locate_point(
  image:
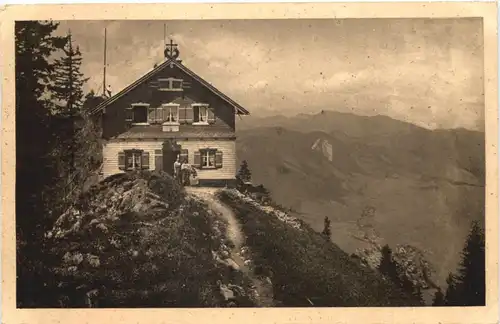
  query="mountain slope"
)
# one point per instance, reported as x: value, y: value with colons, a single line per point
x: 305, y: 268
x: 139, y: 240
x: 423, y: 187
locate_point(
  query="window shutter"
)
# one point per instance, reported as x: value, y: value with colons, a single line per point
x: 121, y: 160
x: 218, y: 159
x: 151, y: 115
x: 129, y: 114
x: 184, y: 156
x: 182, y: 114
x: 164, y: 84
x: 159, y: 160
x: 189, y: 114
x: 145, y: 160
x: 197, y: 159
x: 159, y: 114
x: 211, y: 115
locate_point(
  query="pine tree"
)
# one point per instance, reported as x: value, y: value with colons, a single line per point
x: 438, y: 298
x: 387, y: 266
x: 395, y: 272
x: 327, y: 232
x: 452, y: 296
x: 468, y: 287
x: 68, y: 81
x: 79, y: 142
x: 244, y: 173
x: 35, y: 168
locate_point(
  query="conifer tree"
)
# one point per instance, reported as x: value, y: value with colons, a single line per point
x: 244, y: 173
x: 81, y: 138
x: 35, y: 168
x: 468, y: 286
x: 387, y: 266
x: 68, y: 81
x: 473, y: 268
x: 395, y: 272
x: 452, y: 295
x: 438, y: 298
x: 327, y: 231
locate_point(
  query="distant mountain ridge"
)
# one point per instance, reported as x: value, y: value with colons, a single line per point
x: 425, y: 186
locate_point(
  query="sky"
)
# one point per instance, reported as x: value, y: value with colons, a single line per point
x: 425, y: 71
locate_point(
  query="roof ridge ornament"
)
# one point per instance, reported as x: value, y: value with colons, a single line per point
x: 171, y: 51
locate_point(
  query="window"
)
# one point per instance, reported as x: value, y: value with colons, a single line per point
x: 133, y: 160
x: 167, y: 112
x: 208, y: 158
x: 171, y: 113
x: 200, y: 113
x: 138, y: 113
x: 170, y: 84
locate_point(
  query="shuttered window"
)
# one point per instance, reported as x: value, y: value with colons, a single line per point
x: 201, y: 114
x: 170, y: 84
x: 171, y: 113
x: 138, y: 113
x: 208, y: 159
x: 133, y: 160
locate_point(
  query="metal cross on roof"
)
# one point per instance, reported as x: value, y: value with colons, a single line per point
x: 171, y: 50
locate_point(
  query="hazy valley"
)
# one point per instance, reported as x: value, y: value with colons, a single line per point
x: 412, y: 185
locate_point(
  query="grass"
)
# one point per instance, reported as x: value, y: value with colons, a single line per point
x: 305, y: 267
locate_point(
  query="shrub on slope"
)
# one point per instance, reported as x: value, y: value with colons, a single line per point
x: 303, y: 266
x: 136, y: 240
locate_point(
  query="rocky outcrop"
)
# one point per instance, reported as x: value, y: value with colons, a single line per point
x: 137, y: 240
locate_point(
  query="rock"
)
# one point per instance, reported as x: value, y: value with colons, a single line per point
x: 102, y: 227
x: 238, y: 290
x: 90, y: 298
x: 73, y: 258
x: 225, y: 254
x: 232, y: 264
x: 72, y: 269
x: 93, y: 260
x: 247, y: 262
x: 226, y: 292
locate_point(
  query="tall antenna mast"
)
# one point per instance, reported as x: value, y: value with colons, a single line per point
x: 104, y: 76
x: 164, y: 36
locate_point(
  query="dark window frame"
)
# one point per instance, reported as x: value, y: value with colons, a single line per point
x: 203, y: 156
x: 134, y: 153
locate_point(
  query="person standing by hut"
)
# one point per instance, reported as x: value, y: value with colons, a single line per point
x: 177, y: 170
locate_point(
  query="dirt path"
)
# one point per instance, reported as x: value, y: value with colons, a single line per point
x: 235, y: 234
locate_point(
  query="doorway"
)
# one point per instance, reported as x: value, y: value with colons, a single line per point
x: 170, y: 152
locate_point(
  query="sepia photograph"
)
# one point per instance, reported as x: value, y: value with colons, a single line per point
x: 250, y: 163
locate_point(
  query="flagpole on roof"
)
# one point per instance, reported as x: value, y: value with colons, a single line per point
x: 164, y: 36
x: 104, y: 72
